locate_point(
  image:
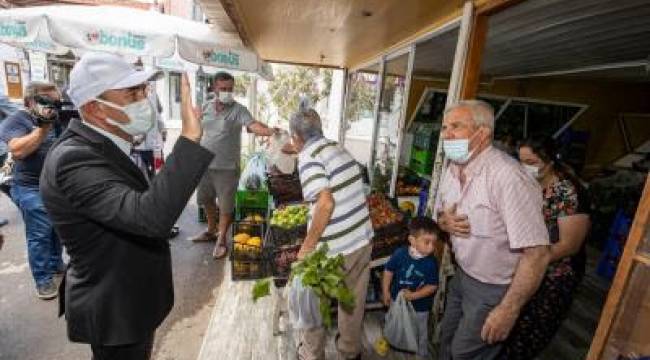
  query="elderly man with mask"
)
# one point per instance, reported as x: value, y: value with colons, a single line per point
x: 113, y: 223
x: 331, y: 182
x: 29, y: 135
x: 492, y: 210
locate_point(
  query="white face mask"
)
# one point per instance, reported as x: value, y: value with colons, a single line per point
x: 141, y: 116
x: 415, y: 253
x: 226, y: 97
x: 534, y: 171
x: 458, y: 150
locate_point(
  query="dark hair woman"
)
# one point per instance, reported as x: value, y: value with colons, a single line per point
x: 567, y: 219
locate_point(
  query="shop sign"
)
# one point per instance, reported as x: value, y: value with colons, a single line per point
x: 41, y: 45
x: 13, y: 30
x: 221, y: 58
x: 126, y: 40
x: 170, y: 63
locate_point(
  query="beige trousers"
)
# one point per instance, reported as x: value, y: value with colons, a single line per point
x: 311, y: 343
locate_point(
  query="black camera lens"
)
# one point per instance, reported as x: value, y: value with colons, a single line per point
x: 45, y: 101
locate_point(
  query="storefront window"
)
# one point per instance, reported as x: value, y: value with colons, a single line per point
x: 532, y: 119
x: 359, y: 113
x: 59, y: 74
x: 388, y: 128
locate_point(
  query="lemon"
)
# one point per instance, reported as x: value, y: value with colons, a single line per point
x: 254, y: 241
x: 382, y: 347
x: 241, y: 238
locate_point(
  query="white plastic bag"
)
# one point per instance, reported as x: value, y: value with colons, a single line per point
x: 285, y: 163
x: 254, y: 173
x: 303, y: 306
x: 401, y: 330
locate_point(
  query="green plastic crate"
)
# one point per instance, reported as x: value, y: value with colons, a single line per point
x: 421, y: 156
x: 252, y: 199
x: 421, y: 168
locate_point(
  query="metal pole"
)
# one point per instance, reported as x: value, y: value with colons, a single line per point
x: 252, y: 103
x: 375, y: 130
x: 462, y: 47
x: 343, y: 121
x: 401, y: 127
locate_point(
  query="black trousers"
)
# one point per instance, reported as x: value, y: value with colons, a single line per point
x: 139, y: 351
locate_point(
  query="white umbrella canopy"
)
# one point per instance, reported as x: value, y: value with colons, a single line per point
x: 125, y: 31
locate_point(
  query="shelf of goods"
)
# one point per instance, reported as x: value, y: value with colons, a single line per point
x: 285, y: 188
x: 287, y: 230
x: 389, y: 225
x: 246, y: 254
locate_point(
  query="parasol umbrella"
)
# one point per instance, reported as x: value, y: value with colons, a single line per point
x: 125, y: 31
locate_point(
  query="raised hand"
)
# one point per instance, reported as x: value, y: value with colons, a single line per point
x: 191, y: 123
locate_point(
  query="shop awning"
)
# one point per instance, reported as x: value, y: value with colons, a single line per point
x: 596, y: 39
x: 125, y: 31
x: 556, y: 38
x: 339, y: 33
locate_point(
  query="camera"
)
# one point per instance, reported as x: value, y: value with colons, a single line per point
x: 62, y: 111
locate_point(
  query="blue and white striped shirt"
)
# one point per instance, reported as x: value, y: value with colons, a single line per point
x: 323, y: 165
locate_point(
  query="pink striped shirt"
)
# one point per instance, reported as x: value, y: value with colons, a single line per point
x: 504, y: 208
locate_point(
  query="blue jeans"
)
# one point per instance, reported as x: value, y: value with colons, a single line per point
x: 44, y: 249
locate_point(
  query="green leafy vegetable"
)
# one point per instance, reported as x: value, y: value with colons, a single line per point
x: 261, y: 288
x: 325, y: 276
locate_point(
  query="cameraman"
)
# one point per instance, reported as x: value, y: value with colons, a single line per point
x: 29, y: 134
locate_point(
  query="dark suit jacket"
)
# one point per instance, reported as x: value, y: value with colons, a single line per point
x: 114, y: 226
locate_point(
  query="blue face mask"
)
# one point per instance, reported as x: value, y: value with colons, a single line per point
x: 457, y: 150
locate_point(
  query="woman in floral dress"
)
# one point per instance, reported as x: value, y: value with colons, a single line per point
x: 568, y: 225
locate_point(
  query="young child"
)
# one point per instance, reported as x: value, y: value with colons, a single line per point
x: 414, y: 271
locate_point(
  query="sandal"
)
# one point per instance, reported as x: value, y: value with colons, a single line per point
x: 204, y: 236
x: 217, y: 253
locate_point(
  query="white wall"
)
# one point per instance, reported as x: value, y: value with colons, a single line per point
x: 335, y: 106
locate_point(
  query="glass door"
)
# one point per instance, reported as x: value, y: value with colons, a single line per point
x: 360, y: 112
x: 387, y: 133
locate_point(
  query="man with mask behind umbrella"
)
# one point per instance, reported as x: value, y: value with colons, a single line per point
x: 114, y: 224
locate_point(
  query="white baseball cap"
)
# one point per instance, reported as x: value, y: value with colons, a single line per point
x: 98, y: 72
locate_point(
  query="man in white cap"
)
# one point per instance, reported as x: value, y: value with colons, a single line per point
x: 113, y: 223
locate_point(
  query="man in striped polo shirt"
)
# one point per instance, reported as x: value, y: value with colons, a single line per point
x: 331, y: 182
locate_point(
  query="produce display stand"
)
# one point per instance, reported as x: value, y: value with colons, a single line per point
x: 247, y: 258
x: 251, y: 204
x: 285, y: 188
x: 391, y: 232
x: 282, y: 251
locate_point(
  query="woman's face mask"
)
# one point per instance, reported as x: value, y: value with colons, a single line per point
x: 532, y: 163
x: 141, y: 116
x: 533, y: 171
